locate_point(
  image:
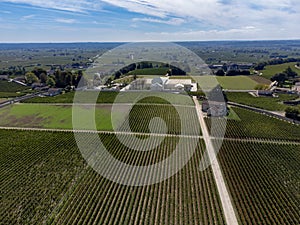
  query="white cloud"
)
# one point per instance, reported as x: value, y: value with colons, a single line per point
x: 216, y: 19
x: 66, y: 5
x: 210, y: 11
x: 172, y: 21
x: 5, y: 12
x: 67, y: 21
x: 27, y: 17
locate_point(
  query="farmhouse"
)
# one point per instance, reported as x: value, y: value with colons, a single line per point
x: 297, y: 87
x: 3, y: 77
x: 54, y: 92
x: 214, y: 109
x: 265, y: 93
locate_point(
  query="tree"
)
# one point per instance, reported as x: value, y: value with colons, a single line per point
x: 292, y: 113
x: 261, y: 87
x: 50, y: 82
x: 31, y: 78
x: 279, y: 77
x: 43, y: 78
x: 220, y: 72
x: 290, y: 73
x: 260, y: 66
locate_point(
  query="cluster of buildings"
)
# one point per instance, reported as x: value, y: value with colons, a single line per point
x: 163, y: 84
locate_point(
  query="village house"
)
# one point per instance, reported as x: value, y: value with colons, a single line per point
x: 54, y: 92
x: 214, y: 109
x: 265, y: 93
x: 3, y: 77
x: 296, y: 88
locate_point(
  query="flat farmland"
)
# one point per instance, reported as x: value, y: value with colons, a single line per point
x: 272, y: 104
x: 230, y: 83
x: 256, y: 126
x: 263, y: 180
x: 52, y: 116
x: 50, y: 183
x: 176, y: 120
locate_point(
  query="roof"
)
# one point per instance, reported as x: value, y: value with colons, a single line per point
x: 179, y: 86
x: 180, y: 81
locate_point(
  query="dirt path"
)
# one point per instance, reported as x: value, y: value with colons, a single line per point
x: 228, y: 208
x: 99, y: 132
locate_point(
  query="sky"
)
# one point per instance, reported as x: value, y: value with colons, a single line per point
x: 147, y: 20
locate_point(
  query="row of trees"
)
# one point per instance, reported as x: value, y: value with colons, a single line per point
x: 221, y: 72
x: 292, y: 113
x: 59, y: 79
x: 149, y: 65
x: 262, y: 65
x: 281, y: 78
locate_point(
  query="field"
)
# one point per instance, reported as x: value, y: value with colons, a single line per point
x: 271, y: 70
x: 263, y: 180
x: 184, y: 121
x: 258, y: 126
x: 50, y: 183
x: 116, y: 97
x: 44, y: 178
x: 59, y: 116
x: 260, y: 80
x: 272, y: 104
x: 6, y: 86
x: 51, y: 116
x: 11, y: 89
x: 10, y: 94
x: 230, y: 83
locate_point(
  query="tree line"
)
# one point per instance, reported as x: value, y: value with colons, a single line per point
x: 59, y: 79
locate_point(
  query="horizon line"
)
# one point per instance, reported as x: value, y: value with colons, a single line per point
x: 149, y: 41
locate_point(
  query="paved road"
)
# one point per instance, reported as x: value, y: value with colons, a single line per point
x: 228, y: 209
x: 18, y: 99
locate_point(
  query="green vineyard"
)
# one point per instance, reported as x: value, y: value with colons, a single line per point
x: 178, y: 120
x: 50, y: 183
x: 255, y: 125
x: 263, y: 180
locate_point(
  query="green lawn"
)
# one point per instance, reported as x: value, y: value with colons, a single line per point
x: 230, y: 83
x: 271, y: 70
x: 272, y: 104
x: 52, y: 116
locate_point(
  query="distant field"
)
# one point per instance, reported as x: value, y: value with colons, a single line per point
x: 230, y: 83
x: 260, y: 80
x: 272, y: 104
x: 10, y: 94
x: 6, y: 86
x: 271, y: 70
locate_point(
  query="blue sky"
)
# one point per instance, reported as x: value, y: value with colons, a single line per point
x: 147, y: 20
